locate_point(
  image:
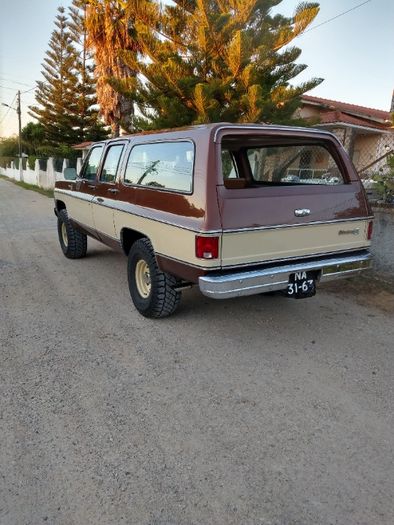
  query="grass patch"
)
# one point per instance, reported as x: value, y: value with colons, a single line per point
x: 24, y: 185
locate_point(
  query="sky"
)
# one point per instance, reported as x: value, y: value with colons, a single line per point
x: 353, y: 53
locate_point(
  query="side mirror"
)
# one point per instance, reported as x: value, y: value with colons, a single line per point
x: 70, y: 173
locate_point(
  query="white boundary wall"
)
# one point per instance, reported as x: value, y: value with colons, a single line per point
x: 42, y: 178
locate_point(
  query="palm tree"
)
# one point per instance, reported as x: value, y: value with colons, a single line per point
x: 109, y: 33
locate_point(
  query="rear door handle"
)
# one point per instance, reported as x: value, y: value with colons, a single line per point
x: 92, y: 186
x: 113, y: 190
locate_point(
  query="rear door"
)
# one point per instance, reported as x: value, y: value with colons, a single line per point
x: 287, y: 197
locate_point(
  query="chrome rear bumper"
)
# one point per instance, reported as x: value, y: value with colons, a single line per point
x: 251, y: 282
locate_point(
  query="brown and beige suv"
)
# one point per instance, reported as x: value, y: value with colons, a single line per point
x: 236, y: 209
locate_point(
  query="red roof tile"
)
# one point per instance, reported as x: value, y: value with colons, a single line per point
x: 351, y: 108
x: 83, y: 145
x: 331, y: 117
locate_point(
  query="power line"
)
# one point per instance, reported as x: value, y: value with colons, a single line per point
x: 11, y: 89
x: 8, y: 110
x: 16, y: 89
x: 13, y: 81
x: 335, y: 17
x: 31, y: 89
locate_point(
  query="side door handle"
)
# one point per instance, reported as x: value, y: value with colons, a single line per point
x: 92, y: 186
x: 302, y: 212
x: 113, y: 190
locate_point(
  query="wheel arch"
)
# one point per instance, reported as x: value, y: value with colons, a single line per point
x: 60, y: 205
x: 128, y: 237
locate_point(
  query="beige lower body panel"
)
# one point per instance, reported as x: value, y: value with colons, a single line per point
x: 79, y: 207
x: 169, y: 240
x: 250, y: 247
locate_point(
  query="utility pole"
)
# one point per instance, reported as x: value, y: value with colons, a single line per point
x: 18, y: 110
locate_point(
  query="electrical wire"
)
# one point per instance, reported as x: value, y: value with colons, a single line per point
x: 13, y: 81
x: 8, y: 110
x: 15, y: 89
x: 335, y: 17
x: 11, y: 89
x: 31, y: 89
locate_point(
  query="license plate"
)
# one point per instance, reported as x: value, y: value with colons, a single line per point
x: 301, y: 284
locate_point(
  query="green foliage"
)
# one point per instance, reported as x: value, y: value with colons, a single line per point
x: 31, y: 161
x: 385, y: 183
x: 56, y: 96
x: 5, y: 162
x: 33, y: 136
x: 390, y: 163
x: 214, y: 60
x: 9, y: 147
x: 65, y: 98
x: 109, y: 33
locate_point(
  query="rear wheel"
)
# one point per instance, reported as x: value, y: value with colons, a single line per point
x: 73, y: 242
x: 151, y: 290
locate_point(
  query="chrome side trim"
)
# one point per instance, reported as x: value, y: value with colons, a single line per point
x: 298, y: 224
x: 76, y: 194
x: 209, y: 268
x: 223, y: 286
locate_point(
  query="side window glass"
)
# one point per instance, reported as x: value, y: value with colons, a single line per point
x: 89, y: 170
x: 167, y: 165
x: 229, y: 168
x: 111, y: 163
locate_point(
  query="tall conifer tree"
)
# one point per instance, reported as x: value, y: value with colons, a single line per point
x: 215, y: 60
x: 89, y: 124
x: 57, y: 95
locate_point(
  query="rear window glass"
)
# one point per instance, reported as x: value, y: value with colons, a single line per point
x: 165, y: 165
x: 276, y: 165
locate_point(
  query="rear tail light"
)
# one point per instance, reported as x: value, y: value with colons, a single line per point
x: 207, y: 247
x: 370, y: 230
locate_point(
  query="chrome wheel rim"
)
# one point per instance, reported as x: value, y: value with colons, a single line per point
x: 142, y: 278
x: 64, y: 234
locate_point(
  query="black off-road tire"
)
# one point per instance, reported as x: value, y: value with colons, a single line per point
x: 161, y: 299
x: 74, y: 243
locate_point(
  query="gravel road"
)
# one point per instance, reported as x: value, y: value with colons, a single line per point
x: 253, y: 411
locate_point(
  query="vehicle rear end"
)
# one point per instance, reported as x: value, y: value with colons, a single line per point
x: 293, y: 212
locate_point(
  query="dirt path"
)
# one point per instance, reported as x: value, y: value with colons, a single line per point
x: 253, y: 411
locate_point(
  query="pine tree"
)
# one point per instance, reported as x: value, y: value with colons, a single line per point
x: 57, y: 95
x: 89, y: 124
x: 215, y: 60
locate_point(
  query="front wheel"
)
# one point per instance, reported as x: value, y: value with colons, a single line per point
x: 151, y: 290
x: 73, y: 242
